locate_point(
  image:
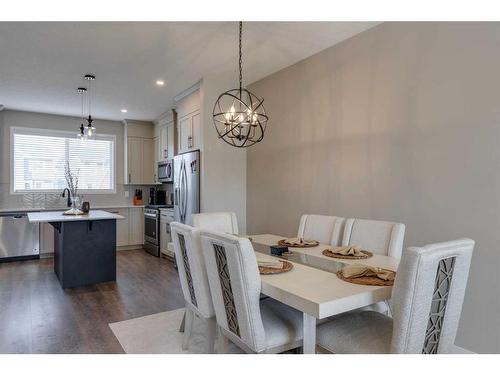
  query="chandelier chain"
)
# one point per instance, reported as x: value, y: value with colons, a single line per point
x: 240, y: 58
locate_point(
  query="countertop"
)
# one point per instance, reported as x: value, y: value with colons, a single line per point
x: 49, y: 209
x: 57, y: 216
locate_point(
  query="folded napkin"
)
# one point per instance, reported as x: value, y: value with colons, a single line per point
x: 355, y: 271
x: 270, y: 264
x: 354, y: 251
x: 298, y: 241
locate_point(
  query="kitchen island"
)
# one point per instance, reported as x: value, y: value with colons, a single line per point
x: 85, y: 246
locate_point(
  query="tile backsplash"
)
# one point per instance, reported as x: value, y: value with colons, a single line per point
x: 54, y: 200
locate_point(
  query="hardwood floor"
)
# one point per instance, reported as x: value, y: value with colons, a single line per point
x: 38, y: 316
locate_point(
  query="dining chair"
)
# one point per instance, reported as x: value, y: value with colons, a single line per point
x: 428, y: 295
x: 322, y: 228
x: 194, y: 282
x: 224, y: 222
x: 380, y: 237
x: 254, y: 325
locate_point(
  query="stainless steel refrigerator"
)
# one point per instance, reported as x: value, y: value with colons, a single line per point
x: 186, y: 186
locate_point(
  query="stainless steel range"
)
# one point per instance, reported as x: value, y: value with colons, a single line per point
x: 152, y: 231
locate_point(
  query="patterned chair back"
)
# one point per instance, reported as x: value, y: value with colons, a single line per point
x: 234, y: 281
x: 380, y: 237
x: 192, y: 270
x: 428, y: 295
x: 223, y: 222
x: 325, y: 229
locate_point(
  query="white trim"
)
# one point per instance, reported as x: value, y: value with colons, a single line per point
x: 56, y: 132
x: 188, y: 91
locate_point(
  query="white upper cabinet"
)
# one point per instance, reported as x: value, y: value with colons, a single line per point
x: 148, y: 160
x: 166, y: 141
x: 189, y: 122
x: 140, y: 168
x: 134, y: 160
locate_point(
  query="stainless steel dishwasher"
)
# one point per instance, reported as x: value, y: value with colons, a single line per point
x: 19, y: 239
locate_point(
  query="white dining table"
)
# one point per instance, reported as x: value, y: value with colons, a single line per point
x: 318, y: 293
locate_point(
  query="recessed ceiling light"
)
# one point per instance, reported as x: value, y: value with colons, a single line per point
x: 160, y: 82
x: 124, y: 110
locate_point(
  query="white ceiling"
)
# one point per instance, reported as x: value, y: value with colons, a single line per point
x: 41, y: 64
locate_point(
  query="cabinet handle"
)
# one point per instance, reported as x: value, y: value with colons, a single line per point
x: 155, y: 177
x: 129, y: 178
x: 165, y: 153
x: 190, y: 141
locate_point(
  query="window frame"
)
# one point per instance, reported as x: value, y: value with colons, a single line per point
x: 66, y: 134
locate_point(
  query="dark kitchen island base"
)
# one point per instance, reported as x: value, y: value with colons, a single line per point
x: 85, y: 252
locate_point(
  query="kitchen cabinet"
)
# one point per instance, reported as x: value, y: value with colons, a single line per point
x: 148, y: 160
x: 166, y: 142
x: 164, y: 237
x: 135, y: 226
x: 134, y: 160
x: 189, y: 129
x: 140, y: 161
x: 157, y: 149
x: 46, y: 239
x: 122, y: 226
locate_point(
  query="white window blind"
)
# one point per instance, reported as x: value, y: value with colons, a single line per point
x: 39, y: 158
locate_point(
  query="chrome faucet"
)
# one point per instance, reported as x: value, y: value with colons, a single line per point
x: 69, y: 196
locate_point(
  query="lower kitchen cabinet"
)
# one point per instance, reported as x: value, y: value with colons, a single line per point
x: 46, y: 239
x: 122, y: 226
x: 129, y: 231
x: 136, y: 226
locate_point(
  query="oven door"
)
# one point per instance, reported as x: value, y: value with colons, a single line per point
x: 151, y: 227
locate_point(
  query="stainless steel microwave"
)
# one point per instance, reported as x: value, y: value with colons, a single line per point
x: 166, y: 170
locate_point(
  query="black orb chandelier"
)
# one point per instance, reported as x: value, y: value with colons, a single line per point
x: 239, y: 115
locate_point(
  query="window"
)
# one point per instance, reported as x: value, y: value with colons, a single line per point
x: 38, y: 158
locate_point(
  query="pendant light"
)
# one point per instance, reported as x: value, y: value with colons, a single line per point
x: 239, y: 115
x: 90, y: 129
x: 81, y: 133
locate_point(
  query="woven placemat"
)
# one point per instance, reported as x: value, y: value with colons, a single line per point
x: 366, y: 280
x: 284, y: 243
x: 331, y: 254
x: 287, y: 266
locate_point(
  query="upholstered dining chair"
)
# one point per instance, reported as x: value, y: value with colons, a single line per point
x: 427, y: 297
x: 194, y: 282
x: 224, y: 222
x: 380, y: 237
x: 322, y: 228
x: 254, y: 325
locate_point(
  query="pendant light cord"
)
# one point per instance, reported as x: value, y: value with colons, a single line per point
x: 240, y: 61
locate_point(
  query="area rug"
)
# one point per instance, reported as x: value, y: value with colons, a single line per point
x: 159, y: 334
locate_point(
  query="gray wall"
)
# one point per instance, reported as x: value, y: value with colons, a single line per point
x: 402, y: 123
x: 223, y: 182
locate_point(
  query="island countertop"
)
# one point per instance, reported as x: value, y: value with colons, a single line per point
x: 57, y: 216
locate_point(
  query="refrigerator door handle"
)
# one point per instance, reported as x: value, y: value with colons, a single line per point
x: 186, y: 193
x: 182, y: 193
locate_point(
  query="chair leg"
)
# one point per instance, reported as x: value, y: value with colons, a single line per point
x: 211, y: 334
x: 188, y: 328
x: 183, y: 323
x: 223, y: 343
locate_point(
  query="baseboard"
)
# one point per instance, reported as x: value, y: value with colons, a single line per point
x: 129, y: 247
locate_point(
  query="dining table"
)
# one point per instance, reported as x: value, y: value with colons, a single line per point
x: 313, y: 287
